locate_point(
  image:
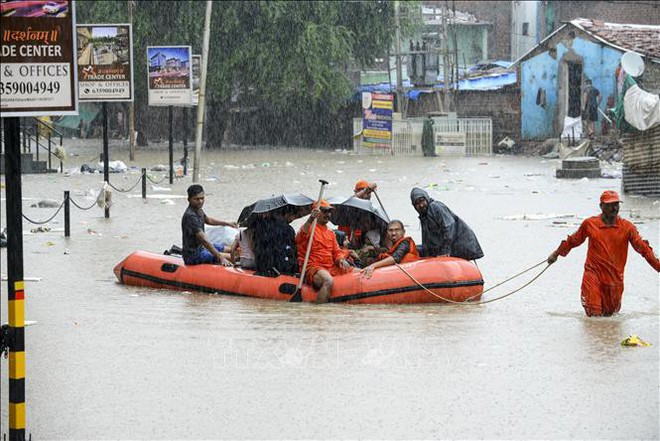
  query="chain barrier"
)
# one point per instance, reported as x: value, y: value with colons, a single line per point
x: 157, y: 182
x: 82, y: 208
x: 467, y: 301
x: 46, y: 221
x: 120, y: 190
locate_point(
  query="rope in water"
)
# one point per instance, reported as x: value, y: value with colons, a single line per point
x: 467, y: 301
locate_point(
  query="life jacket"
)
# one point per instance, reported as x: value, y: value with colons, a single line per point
x: 410, y: 256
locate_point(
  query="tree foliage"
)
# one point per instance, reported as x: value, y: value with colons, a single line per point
x: 279, y: 57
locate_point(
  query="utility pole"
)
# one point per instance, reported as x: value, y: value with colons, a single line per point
x: 202, y: 90
x: 445, y: 59
x: 400, y: 98
x: 131, y: 105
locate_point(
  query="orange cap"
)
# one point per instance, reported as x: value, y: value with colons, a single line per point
x: 359, y: 185
x: 324, y: 204
x: 609, y: 197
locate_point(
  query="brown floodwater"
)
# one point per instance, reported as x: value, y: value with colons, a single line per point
x: 107, y: 361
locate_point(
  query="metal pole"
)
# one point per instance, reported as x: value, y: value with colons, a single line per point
x: 49, y: 154
x: 36, y: 135
x: 144, y: 183
x: 106, y: 158
x: 400, y: 106
x: 67, y: 214
x: 445, y: 59
x: 170, y: 117
x: 15, y: 283
x: 185, y: 141
x: 131, y: 105
x: 202, y: 91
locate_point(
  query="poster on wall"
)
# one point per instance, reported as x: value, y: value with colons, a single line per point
x: 196, y: 76
x: 37, y: 58
x: 105, y: 62
x: 377, y: 111
x: 170, y: 75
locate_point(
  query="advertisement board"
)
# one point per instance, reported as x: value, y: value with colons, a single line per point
x: 37, y: 58
x: 105, y: 62
x: 197, y: 77
x: 170, y: 75
x: 377, y: 111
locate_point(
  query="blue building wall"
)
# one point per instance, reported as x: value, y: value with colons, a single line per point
x: 538, y: 72
x: 542, y: 71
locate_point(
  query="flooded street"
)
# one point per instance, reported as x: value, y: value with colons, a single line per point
x: 111, y: 361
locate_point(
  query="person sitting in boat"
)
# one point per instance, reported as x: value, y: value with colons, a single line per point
x: 274, y: 244
x: 197, y: 248
x: 325, y: 259
x: 403, y: 249
x: 242, y: 251
x: 367, y: 244
x: 350, y: 254
x: 443, y: 233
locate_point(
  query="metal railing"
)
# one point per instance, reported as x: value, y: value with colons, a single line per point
x: 407, y: 136
x: 31, y: 135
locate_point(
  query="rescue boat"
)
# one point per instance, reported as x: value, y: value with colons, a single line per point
x: 441, y: 278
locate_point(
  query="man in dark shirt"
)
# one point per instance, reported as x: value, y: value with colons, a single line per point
x: 403, y: 249
x: 443, y: 232
x: 197, y: 248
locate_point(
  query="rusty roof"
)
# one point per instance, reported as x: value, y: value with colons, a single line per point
x: 643, y: 39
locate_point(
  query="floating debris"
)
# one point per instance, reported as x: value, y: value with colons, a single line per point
x: 633, y: 340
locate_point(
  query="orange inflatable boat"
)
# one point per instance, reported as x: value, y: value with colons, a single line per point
x: 446, y: 277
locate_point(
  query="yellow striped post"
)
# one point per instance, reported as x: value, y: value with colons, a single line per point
x: 16, y: 285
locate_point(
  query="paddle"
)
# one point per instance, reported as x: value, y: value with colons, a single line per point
x: 297, y: 296
x: 381, y: 205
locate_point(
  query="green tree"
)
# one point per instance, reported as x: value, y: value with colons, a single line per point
x: 281, y: 62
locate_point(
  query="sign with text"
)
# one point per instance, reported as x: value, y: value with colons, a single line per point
x: 37, y: 58
x: 170, y: 75
x: 197, y: 77
x: 105, y: 62
x: 377, y: 111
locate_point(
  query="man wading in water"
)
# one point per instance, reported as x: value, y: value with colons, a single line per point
x: 609, y: 235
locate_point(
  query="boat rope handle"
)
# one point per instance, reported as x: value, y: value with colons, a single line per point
x: 467, y: 301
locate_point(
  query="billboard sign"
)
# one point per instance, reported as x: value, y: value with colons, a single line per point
x: 170, y: 75
x: 197, y: 77
x: 37, y: 58
x: 105, y: 62
x: 377, y: 111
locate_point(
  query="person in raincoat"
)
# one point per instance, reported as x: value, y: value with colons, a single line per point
x: 609, y: 235
x: 443, y: 233
x: 403, y: 249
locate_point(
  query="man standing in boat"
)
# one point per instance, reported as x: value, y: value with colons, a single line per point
x: 609, y: 235
x: 197, y: 248
x: 326, y: 259
x: 403, y: 249
x: 443, y: 233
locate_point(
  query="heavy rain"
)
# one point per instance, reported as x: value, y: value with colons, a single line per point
x: 526, y: 120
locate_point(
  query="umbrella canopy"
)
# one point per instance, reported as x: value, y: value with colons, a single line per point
x: 356, y: 213
x: 296, y: 205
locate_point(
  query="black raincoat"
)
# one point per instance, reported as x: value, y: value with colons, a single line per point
x: 444, y: 233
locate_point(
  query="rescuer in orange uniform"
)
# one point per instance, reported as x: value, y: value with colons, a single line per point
x: 403, y: 249
x: 609, y: 235
x: 326, y: 259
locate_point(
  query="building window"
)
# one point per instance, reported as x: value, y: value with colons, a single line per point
x: 525, y: 29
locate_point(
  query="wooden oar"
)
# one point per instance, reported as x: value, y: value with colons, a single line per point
x: 297, y: 296
x: 381, y: 205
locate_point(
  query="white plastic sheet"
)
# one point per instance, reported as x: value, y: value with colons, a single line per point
x: 642, y: 109
x: 572, y: 127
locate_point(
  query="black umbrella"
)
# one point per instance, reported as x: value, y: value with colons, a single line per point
x: 295, y: 205
x: 356, y: 213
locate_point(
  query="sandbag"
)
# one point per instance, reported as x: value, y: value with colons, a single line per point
x: 642, y: 109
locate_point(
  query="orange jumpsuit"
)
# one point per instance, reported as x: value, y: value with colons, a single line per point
x: 602, y: 283
x: 325, y: 252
